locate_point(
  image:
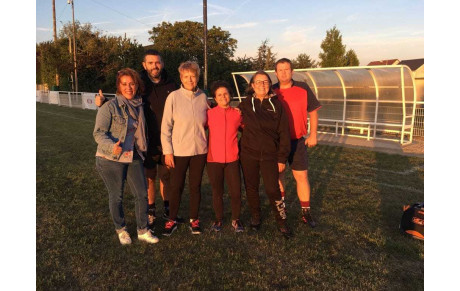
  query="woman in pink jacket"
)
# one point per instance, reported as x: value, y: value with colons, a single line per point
x: 223, y: 161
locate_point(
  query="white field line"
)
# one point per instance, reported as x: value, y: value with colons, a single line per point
x: 66, y: 116
x: 371, y: 181
x: 406, y: 172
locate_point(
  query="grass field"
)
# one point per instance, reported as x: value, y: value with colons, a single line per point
x: 357, y: 201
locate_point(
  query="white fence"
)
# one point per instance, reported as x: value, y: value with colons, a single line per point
x: 83, y: 100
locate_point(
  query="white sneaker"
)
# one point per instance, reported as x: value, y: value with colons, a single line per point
x: 148, y: 237
x: 124, y: 237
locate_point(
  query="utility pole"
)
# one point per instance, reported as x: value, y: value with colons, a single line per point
x: 74, y: 46
x: 55, y: 37
x: 205, y: 38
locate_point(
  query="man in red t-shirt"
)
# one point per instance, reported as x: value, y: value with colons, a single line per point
x: 298, y: 99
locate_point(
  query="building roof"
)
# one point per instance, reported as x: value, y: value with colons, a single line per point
x: 384, y: 62
x: 413, y: 64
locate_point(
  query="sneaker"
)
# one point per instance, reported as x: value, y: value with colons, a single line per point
x: 195, y: 226
x: 148, y: 237
x: 237, y: 226
x: 306, y: 217
x: 178, y: 218
x: 170, y: 227
x: 216, y: 226
x: 124, y: 237
x: 255, y: 224
x: 286, y: 231
x: 151, y: 217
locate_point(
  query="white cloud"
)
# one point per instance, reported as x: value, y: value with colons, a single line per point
x: 277, y: 20
x: 352, y: 17
x: 43, y: 29
x: 298, y: 35
x: 221, y: 9
x: 99, y: 23
x: 242, y: 25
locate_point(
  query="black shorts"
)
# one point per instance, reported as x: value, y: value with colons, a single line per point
x: 151, y: 161
x: 298, y: 158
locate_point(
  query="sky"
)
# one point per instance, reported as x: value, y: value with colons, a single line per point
x: 375, y: 30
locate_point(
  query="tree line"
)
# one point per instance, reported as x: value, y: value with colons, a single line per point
x: 99, y: 57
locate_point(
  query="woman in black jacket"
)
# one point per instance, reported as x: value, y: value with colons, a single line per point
x: 265, y: 146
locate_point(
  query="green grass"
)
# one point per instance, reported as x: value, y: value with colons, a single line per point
x: 357, y: 201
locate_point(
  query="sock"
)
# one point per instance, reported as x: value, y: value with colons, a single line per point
x: 305, y: 204
x: 151, y: 210
x: 166, y: 204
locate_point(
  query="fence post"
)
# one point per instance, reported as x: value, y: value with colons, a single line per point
x: 82, y: 101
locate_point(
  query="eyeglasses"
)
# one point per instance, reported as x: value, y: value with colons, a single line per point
x: 260, y: 83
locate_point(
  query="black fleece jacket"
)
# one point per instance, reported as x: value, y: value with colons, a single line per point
x: 154, y: 99
x: 265, y: 130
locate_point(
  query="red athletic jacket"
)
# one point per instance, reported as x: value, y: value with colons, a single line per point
x: 223, y: 124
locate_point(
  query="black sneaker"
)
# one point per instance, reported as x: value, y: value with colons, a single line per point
x: 255, y: 224
x: 216, y: 226
x: 237, y: 226
x: 307, y: 218
x: 286, y: 231
x: 170, y: 227
x: 179, y: 219
x: 195, y: 226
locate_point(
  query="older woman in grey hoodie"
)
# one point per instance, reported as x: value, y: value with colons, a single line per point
x: 184, y: 143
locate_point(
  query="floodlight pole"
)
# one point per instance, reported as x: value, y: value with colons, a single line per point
x: 55, y: 36
x: 205, y: 38
x: 74, y: 46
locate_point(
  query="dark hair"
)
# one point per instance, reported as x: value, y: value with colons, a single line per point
x: 152, y: 52
x: 283, y: 60
x: 134, y: 75
x: 250, y: 90
x: 221, y: 84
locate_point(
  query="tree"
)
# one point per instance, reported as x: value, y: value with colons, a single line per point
x: 265, y: 59
x: 333, y: 54
x: 304, y: 61
x: 351, y: 59
x: 99, y: 58
x: 183, y: 41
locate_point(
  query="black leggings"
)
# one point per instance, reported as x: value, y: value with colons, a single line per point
x: 216, y: 174
x: 195, y: 164
x: 252, y: 170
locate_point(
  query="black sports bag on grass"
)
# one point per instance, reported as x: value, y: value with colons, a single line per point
x: 412, y: 220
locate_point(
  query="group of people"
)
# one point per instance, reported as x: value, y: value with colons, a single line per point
x: 154, y: 127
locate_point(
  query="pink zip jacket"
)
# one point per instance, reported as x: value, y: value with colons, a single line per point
x: 223, y: 124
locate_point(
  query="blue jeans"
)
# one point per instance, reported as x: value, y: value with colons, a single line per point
x: 114, y: 175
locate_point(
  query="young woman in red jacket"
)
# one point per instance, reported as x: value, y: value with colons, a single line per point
x: 223, y: 160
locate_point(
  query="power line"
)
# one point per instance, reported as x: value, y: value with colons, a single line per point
x: 62, y: 11
x: 121, y: 13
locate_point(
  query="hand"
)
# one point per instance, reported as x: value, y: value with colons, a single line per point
x: 311, y: 141
x: 169, y: 161
x: 99, y: 99
x: 281, y: 167
x: 117, y: 149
